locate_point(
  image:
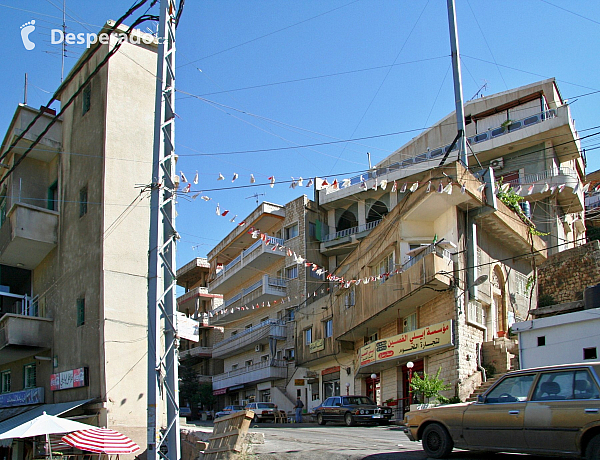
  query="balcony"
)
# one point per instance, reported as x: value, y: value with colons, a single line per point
x: 27, y: 235
x: 260, y: 372
x: 22, y: 336
x: 569, y: 197
x: 258, y: 257
x: 252, y: 338
x: 337, y: 243
x: 264, y: 290
x: 196, y: 352
x: 487, y: 145
x: 420, y: 280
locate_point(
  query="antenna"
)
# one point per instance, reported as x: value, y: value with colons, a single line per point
x: 484, y: 86
x: 64, y: 42
x: 25, y: 91
x: 255, y: 196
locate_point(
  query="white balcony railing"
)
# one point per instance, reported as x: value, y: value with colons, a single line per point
x: 351, y: 231
x: 272, y: 369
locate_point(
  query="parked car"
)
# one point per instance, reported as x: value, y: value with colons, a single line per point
x: 186, y: 412
x: 351, y: 410
x: 227, y: 410
x: 546, y: 410
x: 262, y: 411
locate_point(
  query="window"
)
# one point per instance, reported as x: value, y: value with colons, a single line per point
x: 385, y: 266
x: 475, y: 313
x: 410, y: 323
x: 234, y: 367
x: 371, y: 338
x: 511, y: 389
x: 291, y: 232
x: 87, y: 98
x: 350, y: 297
x: 264, y: 358
x: 80, y: 312
x: 290, y: 314
x: 248, y: 363
x: 290, y: 354
x: 291, y: 272
x: 590, y: 353
x: 266, y: 318
x: 308, y: 336
x: 553, y: 386
x: 83, y: 201
x: 233, y: 333
x: 312, y: 230
x: 248, y: 326
x: 541, y: 340
x: 53, y: 197
x: 5, y: 382
x: 328, y: 326
x: 29, y: 376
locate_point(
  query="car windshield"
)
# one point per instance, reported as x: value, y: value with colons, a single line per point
x: 265, y: 406
x: 357, y: 400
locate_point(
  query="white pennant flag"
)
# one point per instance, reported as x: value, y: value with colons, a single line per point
x: 414, y: 187
x: 252, y: 179
x: 448, y: 188
x: 233, y: 218
x: 383, y: 184
x: 221, y: 177
x: 183, y: 179
x: 272, y: 180
x: 218, y: 211
x: 346, y: 183
x: 480, y: 188
x: 235, y: 176
x: 196, y: 178
x: 394, y: 187
x: 300, y: 180
x: 205, y: 198
x: 463, y: 188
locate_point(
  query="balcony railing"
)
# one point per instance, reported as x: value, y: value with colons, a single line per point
x: 564, y: 175
x: 248, y: 339
x: 268, y: 286
x: 196, y: 352
x: 272, y: 369
x: 351, y: 231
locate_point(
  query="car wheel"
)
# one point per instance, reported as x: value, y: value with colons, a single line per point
x: 320, y: 420
x: 592, y: 452
x: 348, y: 419
x: 437, y: 443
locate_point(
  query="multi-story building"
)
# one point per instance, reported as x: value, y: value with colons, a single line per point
x: 383, y: 223
x: 257, y: 270
x: 74, y: 247
x: 197, y: 304
x: 592, y: 205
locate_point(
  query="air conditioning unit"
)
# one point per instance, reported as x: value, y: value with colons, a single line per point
x: 498, y: 163
x: 258, y: 348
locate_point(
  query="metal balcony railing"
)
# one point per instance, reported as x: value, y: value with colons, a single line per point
x: 544, y: 175
x: 277, y: 363
x: 351, y: 231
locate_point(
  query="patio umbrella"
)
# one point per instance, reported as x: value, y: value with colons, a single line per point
x: 44, y: 425
x: 101, y: 441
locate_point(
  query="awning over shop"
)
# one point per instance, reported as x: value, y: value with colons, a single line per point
x: 50, y: 409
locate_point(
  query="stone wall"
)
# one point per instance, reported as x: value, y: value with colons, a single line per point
x: 564, y: 276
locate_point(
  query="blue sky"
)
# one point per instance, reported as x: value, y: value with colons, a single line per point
x: 271, y: 77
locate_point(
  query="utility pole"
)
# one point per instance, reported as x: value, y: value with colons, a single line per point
x: 458, y: 95
x: 162, y: 349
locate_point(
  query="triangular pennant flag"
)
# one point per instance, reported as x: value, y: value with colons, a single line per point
x: 363, y: 185
x: 224, y: 213
x: 221, y: 177
x: 585, y: 188
x: 289, y: 252
x: 480, y: 188
x: 504, y: 187
x: 383, y: 184
x: 518, y: 189
x: 300, y: 181
x: 205, y: 198
x: 346, y: 183
x: 375, y: 184
x: 546, y: 188
x: 448, y: 188
x: 325, y: 183
x: 218, y: 212
x: 552, y: 189
x: 335, y: 185
x: 293, y: 184
x: 403, y: 189
x: 235, y: 176
x: 252, y: 179
x: 196, y: 195
x: 310, y: 183
x: 394, y: 187
x: 196, y: 178
x: 561, y: 187
x: 272, y: 180
x: 463, y: 188
x: 414, y: 187
x: 187, y: 188
x: 242, y: 223
x: 530, y: 190
x: 233, y: 218
x: 183, y: 179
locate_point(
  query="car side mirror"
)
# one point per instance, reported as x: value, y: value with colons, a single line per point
x: 480, y: 399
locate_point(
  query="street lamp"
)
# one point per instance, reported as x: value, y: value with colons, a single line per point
x: 347, y: 389
x: 409, y: 366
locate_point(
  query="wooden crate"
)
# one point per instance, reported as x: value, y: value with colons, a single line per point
x: 228, y: 436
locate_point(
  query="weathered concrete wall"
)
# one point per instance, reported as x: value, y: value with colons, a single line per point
x: 565, y: 276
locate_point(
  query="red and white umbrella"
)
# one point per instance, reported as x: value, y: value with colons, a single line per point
x: 101, y: 441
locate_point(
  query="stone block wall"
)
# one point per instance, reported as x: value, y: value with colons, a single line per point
x: 564, y: 276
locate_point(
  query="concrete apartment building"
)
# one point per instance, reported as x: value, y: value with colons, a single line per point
x: 74, y: 249
x: 262, y: 285
x: 527, y: 138
x: 198, y: 304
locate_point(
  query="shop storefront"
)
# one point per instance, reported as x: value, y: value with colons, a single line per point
x: 330, y: 378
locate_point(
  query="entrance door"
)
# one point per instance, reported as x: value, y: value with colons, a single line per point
x: 406, y: 392
x: 374, y: 388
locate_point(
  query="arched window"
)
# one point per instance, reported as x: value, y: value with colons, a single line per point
x: 377, y: 211
x: 347, y: 220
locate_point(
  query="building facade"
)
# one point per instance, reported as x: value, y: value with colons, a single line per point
x: 74, y: 247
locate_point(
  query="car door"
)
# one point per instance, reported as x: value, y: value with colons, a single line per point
x: 326, y: 409
x: 497, y: 421
x: 561, y: 404
x: 337, y: 411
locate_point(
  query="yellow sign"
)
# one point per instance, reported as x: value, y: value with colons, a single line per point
x: 317, y: 345
x: 418, y: 341
x: 299, y: 382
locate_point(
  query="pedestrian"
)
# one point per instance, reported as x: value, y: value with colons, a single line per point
x: 299, y: 405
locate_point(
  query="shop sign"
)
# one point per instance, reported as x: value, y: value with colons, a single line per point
x: 74, y: 378
x: 317, y: 345
x: 220, y: 391
x: 419, y: 341
x: 188, y: 328
x: 236, y: 387
x: 330, y: 370
x: 22, y: 398
x: 299, y: 382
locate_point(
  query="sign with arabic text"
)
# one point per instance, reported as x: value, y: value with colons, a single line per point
x: 73, y: 378
x: 22, y: 398
x: 317, y: 345
x: 418, y: 341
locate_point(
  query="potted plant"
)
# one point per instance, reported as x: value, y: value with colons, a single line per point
x: 391, y: 402
x: 430, y: 387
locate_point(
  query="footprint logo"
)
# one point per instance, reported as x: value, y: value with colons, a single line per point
x: 26, y: 29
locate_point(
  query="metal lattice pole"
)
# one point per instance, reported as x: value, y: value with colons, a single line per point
x: 162, y: 349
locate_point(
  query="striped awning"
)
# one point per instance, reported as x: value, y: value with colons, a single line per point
x: 101, y: 440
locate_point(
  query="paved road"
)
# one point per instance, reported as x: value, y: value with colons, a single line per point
x: 331, y: 442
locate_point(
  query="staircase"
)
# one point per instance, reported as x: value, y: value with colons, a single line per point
x: 483, y: 388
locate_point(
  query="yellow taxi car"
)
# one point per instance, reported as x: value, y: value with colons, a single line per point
x: 546, y: 410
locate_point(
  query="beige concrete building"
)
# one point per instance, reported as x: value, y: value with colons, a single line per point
x: 262, y: 284
x: 74, y: 248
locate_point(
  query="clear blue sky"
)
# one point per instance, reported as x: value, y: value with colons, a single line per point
x: 275, y: 75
